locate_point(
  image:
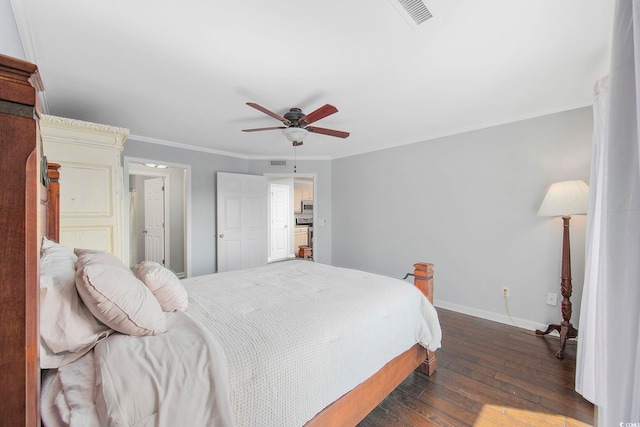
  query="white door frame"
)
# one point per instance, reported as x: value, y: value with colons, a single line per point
x: 159, y: 173
x: 316, y: 243
x: 187, y: 202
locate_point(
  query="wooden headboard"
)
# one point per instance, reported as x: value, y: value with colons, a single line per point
x: 23, y: 199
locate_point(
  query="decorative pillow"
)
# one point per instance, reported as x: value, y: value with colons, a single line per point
x: 67, y: 328
x: 101, y: 257
x: 115, y: 296
x: 164, y: 284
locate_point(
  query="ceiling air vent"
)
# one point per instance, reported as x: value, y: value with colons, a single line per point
x: 414, y: 11
x: 278, y: 163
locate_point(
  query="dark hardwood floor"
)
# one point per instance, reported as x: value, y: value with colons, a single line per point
x: 489, y: 374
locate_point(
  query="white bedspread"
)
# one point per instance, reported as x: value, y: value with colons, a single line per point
x: 297, y: 335
x: 67, y: 395
x: 263, y: 347
x: 174, y: 379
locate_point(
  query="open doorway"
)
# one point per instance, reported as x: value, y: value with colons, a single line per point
x: 159, y: 215
x: 291, y: 235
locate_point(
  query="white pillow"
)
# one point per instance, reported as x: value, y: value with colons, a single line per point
x: 67, y: 328
x: 165, y: 285
x: 115, y: 296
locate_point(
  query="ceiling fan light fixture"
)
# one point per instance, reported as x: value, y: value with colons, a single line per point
x: 295, y: 134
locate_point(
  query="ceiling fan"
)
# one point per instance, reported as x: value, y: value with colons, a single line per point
x: 296, y: 123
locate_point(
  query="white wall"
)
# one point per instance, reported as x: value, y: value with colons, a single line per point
x: 468, y: 204
x: 10, y: 43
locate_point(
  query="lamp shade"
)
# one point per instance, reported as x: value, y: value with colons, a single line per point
x: 295, y: 134
x: 565, y: 198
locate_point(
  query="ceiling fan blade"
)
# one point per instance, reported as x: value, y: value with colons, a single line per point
x: 330, y: 132
x: 320, y: 113
x: 269, y: 112
x: 257, y: 129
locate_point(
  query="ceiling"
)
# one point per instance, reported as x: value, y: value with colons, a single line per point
x: 180, y: 73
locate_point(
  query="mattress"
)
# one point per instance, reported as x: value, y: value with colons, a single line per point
x: 267, y: 346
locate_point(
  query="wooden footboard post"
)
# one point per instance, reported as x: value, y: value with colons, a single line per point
x: 53, y: 199
x: 423, y: 280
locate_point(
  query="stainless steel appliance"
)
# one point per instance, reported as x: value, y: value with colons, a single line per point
x: 304, y: 220
x: 307, y: 206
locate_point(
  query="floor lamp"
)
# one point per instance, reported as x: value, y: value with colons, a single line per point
x: 564, y: 199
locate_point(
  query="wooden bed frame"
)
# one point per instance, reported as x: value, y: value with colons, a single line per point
x: 29, y: 206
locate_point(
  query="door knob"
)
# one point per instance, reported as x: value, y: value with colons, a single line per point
x: 221, y: 236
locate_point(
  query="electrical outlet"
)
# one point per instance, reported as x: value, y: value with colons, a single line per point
x: 552, y: 299
x: 505, y: 291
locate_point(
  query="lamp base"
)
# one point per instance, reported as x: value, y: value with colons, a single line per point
x: 566, y: 331
x: 565, y: 327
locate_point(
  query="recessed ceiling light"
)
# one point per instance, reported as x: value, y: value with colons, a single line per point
x: 154, y: 165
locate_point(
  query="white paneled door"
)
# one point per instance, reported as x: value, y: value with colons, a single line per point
x: 280, y: 214
x: 154, y: 220
x: 241, y: 221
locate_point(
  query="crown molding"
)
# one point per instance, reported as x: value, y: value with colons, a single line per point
x: 63, y: 130
x: 64, y: 121
x: 21, y: 17
x: 186, y: 146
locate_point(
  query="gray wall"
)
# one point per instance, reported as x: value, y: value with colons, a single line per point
x: 468, y: 204
x: 465, y: 202
x: 203, y: 194
x: 176, y: 215
x: 176, y: 212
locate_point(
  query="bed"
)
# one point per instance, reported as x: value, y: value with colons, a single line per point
x: 275, y: 344
x: 338, y: 387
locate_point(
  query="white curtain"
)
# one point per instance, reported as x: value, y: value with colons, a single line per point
x: 608, y: 362
x: 591, y: 377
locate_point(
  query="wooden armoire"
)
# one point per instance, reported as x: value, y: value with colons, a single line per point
x: 92, y: 200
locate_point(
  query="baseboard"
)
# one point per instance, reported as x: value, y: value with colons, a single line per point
x: 270, y: 260
x: 496, y: 317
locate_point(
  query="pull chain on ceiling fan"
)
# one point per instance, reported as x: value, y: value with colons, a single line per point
x: 296, y: 123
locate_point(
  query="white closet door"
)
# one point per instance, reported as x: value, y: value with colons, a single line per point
x: 154, y: 220
x: 241, y: 221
